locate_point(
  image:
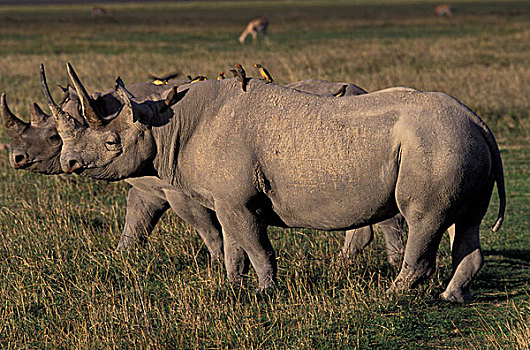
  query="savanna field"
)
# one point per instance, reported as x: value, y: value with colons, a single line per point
x: 63, y: 285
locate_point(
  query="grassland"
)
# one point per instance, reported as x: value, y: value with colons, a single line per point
x: 62, y: 285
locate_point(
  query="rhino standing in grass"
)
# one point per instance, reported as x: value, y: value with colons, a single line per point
x: 275, y: 156
x: 36, y: 146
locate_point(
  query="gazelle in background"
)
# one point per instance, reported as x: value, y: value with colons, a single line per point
x: 99, y: 11
x: 443, y: 10
x: 257, y: 24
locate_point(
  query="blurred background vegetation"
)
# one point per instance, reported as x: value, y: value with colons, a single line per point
x: 63, y: 286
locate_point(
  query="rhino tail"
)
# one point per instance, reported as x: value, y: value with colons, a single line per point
x: 497, y: 169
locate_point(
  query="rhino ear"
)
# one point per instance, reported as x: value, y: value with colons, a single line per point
x: 123, y: 93
x: 13, y: 125
x: 37, y: 116
x: 68, y: 93
x: 140, y: 113
x: 172, y: 98
x: 64, y: 89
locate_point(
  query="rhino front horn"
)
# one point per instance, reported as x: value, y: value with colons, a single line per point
x: 12, y: 124
x: 65, y: 124
x: 90, y: 112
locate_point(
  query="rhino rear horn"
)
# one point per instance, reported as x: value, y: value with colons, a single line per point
x: 37, y: 116
x: 13, y: 125
x: 90, y: 111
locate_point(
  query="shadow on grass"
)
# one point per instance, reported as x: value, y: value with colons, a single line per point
x: 505, y: 273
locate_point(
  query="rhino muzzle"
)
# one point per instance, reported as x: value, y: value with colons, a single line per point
x: 71, y: 163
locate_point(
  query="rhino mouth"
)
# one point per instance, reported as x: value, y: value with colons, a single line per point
x: 28, y: 164
x: 23, y: 164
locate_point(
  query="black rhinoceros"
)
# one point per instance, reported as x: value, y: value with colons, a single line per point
x: 275, y: 156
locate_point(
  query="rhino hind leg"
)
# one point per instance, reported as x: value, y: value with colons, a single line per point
x: 242, y: 231
x: 467, y: 261
x: 419, y: 261
x: 143, y: 213
x: 356, y: 240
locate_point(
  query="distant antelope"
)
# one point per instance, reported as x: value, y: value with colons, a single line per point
x: 443, y: 10
x: 258, y: 24
x: 99, y: 11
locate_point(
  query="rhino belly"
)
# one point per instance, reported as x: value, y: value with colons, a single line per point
x: 328, y: 208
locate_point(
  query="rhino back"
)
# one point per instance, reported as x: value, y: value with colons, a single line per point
x: 325, y: 88
x: 319, y: 146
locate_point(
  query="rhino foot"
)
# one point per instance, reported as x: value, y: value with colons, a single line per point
x: 127, y: 243
x: 217, y: 258
x: 397, y: 287
x: 266, y: 282
x: 457, y: 296
x: 395, y: 259
x: 266, y: 289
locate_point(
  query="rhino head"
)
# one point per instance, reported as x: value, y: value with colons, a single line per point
x: 105, y: 147
x: 35, y: 145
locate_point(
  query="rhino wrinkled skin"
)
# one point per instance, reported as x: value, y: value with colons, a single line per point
x: 275, y: 156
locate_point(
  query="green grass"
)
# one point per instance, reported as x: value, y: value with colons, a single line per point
x: 63, y: 286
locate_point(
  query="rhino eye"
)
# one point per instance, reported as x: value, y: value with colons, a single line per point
x: 113, y: 143
x: 54, y: 139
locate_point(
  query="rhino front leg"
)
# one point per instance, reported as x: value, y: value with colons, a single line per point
x: 143, y: 212
x: 242, y: 231
x: 356, y: 240
x: 204, y: 221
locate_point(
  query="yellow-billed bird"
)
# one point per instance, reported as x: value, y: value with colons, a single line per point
x: 241, y: 76
x: 164, y: 79
x: 341, y: 92
x: 265, y: 75
x: 198, y: 78
x: 221, y: 76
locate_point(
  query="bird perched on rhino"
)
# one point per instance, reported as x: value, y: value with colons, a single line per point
x: 234, y: 72
x: 221, y: 76
x: 341, y: 92
x: 241, y: 75
x: 198, y: 78
x: 164, y: 79
x: 265, y: 75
